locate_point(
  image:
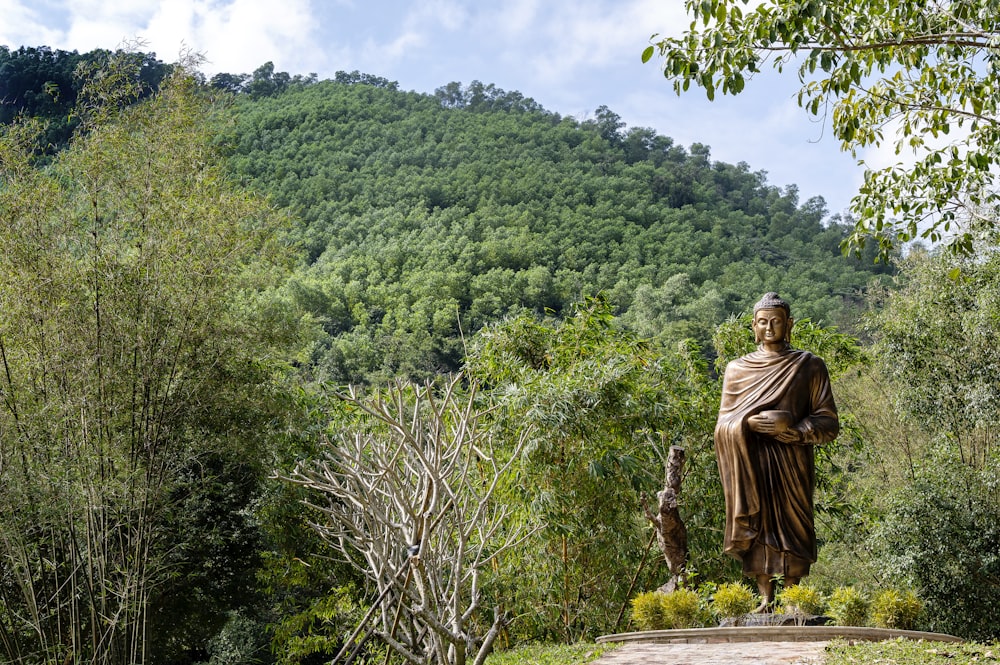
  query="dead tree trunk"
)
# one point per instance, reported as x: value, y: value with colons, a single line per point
x: 670, y: 530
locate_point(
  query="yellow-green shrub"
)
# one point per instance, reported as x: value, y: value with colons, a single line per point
x: 848, y: 607
x: 681, y: 609
x: 803, y: 598
x: 892, y: 608
x: 732, y: 600
x: 647, y: 611
x: 654, y: 610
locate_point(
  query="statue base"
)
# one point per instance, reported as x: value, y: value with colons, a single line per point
x: 769, y: 619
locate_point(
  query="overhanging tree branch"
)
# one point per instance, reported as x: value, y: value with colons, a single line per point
x: 858, y: 57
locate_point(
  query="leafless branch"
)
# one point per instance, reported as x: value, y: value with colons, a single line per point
x: 414, y: 484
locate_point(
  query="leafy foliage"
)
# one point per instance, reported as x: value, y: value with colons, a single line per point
x: 909, y: 73
x: 940, y: 536
x: 647, y: 611
x: 839, y: 351
x: 891, y: 608
x: 937, y: 339
x: 42, y: 83
x: 802, y: 598
x: 318, y: 630
x: 605, y: 407
x: 925, y: 411
x: 655, y: 610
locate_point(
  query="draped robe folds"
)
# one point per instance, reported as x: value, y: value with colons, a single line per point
x: 768, y: 485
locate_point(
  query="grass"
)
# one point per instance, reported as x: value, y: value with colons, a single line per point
x: 551, y: 654
x: 911, y: 652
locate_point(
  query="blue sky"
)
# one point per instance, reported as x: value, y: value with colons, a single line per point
x: 570, y: 56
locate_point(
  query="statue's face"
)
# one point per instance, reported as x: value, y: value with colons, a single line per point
x: 771, y: 326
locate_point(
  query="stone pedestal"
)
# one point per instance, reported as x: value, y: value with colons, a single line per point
x: 792, y: 619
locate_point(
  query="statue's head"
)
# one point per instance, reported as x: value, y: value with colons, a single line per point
x: 772, y: 320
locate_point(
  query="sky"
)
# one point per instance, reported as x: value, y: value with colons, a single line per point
x: 571, y: 56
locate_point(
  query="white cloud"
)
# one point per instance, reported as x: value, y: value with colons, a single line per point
x: 401, y: 45
x: 235, y: 35
x: 240, y: 35
x: 99, y: 24
x: 556, y: 43
x: 419, y: 29
x: 450, y: 15
x: 23, y: 25
x: 515, y: 18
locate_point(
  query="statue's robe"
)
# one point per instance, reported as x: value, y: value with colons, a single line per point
x: 768, y: 485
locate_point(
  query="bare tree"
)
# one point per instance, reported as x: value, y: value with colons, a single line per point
x: 410, y: 498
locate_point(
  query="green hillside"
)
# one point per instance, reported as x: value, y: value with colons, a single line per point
x: 424, y: 217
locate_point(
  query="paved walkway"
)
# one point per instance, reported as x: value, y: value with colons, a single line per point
x: 762, y: 645
x: 732, y: 653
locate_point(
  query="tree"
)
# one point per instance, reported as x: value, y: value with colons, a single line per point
x: 937, y: 339
x: 129, y: 365
x: 602, y: 403
x: 940, y: 535
x: 44, y: 83
x: 904, y: 72
x: 407, y: 489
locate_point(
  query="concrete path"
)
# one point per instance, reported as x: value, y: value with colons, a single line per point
x: 732, y: 653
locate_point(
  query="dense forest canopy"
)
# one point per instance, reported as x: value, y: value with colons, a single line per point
x: 423, y: 216
x: 45, y: 83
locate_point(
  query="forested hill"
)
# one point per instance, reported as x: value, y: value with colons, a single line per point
x: 424, y: 216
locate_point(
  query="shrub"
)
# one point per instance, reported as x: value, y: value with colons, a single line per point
x: 848, y: 607
x: 945, y: 546
x: 647, y: 611
x: 892, y: 608
x: 682, y: 609
x: 732, y: 600
x: 803, y: 598
x: 654, y: 610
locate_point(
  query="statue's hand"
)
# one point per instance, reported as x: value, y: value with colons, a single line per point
x: 760, y: 424
x: 771, y: 423
x: 790, y: 435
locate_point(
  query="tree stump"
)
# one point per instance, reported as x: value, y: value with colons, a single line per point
x: 670, y: 530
